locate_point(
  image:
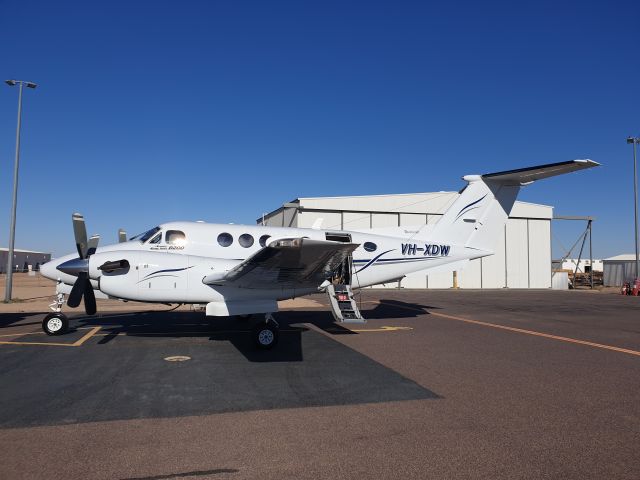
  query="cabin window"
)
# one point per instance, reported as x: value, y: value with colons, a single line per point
x: 225, y: 239
x: 156, y: 239
x: 175, y: 237
x: 245, y: 240
x: 263, y: 240
x: 370, y: 246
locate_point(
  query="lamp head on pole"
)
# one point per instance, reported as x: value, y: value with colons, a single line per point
x: 633, y: 140
x: 13, y: 83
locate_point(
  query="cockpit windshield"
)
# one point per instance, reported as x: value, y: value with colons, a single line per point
x: 143, y: 237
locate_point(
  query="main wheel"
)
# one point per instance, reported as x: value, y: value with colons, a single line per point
x: 265, y: 334
x: 55, y: 324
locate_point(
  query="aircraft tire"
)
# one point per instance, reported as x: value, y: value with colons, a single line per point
x: 265, y: 335
x: 55, y: 324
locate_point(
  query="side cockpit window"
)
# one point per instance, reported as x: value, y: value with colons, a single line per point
x: 175, y: 237
x: 155, y: 240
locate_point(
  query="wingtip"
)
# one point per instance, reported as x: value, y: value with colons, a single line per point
x: 588, y: 162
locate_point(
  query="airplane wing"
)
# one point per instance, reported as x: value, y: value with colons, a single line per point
x: 286, y: 263
x: 524, y: 176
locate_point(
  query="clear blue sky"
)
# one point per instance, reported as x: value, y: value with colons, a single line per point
x: 155, y: 111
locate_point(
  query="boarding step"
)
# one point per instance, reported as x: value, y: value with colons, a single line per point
x: 343, y: 305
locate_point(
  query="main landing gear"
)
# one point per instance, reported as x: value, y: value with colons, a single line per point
x: 56, y: 322
x: 265, y: 333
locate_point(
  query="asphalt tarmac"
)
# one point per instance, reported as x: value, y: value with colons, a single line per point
x: 437, y: 384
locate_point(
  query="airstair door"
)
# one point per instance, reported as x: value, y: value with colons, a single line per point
x: 343, y: 306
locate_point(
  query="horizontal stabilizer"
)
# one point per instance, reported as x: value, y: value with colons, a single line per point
x: 524, y: 176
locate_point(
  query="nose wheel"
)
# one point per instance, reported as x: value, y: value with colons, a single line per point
x: 55, y: 323
x: 266, y: 333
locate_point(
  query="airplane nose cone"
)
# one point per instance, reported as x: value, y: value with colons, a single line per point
x: 75, y: 266
x: 48, y: 270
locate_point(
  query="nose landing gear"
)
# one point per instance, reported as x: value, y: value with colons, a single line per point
x: 56, y: 322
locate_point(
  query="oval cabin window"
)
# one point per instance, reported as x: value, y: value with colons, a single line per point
x: 245, y: 240
x: 370, y: 246
x: 263, y: 240
x: 225, y: 239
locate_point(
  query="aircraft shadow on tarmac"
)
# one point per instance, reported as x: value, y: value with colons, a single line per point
x: 176, y: 324
x: 125, y: 362
x: 10, y: 319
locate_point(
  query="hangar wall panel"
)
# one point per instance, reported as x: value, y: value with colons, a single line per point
x: 471, y: 275
x: 412, y: 219
x: 493, y: 267
x: 353, y: 220
x: 275, y: 219
x: 414, y: 280
x: 384, y: 220
x: 539, y: 253
x: 440, y: 280
x: 517, y: 252
x: 331, y: 220
x: 289, y: 218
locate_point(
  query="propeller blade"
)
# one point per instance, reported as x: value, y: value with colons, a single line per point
x: 122, y: 236
x: 77, y: 290
x: 89, y: 298
x: 93, y: 245
x: 80, y: 234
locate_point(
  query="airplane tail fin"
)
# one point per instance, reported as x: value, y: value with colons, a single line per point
x: 478, y: 215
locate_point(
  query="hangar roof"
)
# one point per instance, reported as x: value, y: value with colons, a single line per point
x: 428, y: 202
x: 622, y: 258
x: 17, y: 250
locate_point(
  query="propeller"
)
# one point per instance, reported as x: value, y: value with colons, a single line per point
x: 122, y: 236
x: 80, y: 266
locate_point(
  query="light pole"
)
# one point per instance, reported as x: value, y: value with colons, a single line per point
x: 635, y: 141
x: 12, y: 228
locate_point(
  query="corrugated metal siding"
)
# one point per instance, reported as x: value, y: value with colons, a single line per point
x: 616, y: 273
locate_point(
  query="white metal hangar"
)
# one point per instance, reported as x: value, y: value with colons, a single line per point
x: 523, y: 253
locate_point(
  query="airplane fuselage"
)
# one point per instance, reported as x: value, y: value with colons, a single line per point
x: 169, y: 264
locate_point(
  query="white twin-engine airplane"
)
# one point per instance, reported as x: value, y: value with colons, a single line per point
x: 244, y: 270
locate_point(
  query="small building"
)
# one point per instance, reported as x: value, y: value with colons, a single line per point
x: 523, y: 252
x: 22, y: 259
x: 583, y: 267
x: 619, y: 269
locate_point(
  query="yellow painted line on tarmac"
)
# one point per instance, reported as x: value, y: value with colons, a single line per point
x: 87, y: 336
x: 381, y: 329
x: 20, y: 334
x: 77, y: 343
x: 521, y: 330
